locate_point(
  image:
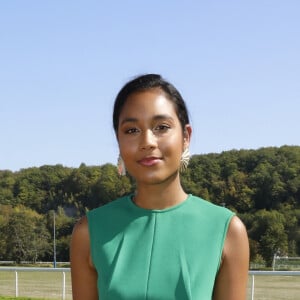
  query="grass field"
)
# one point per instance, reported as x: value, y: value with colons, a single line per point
x: 19, y: 298
x: 275, y: 288
x: 48, y: 285
x: 43, y: 285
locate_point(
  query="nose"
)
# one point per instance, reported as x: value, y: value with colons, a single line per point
x: 148, y: 140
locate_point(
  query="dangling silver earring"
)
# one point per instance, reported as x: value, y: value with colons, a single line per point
x: 185, y: 158
x: 121, y: 166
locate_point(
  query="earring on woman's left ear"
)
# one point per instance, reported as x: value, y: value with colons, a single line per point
x: 185, y: 158
x: 121, y: 166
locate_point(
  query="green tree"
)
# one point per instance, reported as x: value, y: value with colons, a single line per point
x: 238, y: 194
x: 5, y: 212
x: 63, y: 230
x: 78, y: 186
x: 7, y: 182
x: 26, y: 235
x: 109, y: 186
x: 268, y: 228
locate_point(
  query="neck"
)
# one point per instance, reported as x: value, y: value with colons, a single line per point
x: 159, y: 196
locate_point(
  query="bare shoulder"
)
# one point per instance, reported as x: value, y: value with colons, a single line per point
x: 231, y: 281
x: 80, y: 241
x: 83, y: 273
x: 236, y: 243
x: 237, y: 230
x: 81, y: 226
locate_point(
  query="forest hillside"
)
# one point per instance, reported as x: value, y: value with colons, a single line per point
x: 262, y: 186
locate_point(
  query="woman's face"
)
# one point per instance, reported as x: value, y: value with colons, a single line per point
x: 150, y: 136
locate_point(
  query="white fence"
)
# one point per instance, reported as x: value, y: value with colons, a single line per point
x: 18, y: 270
x: 269, y: 273
x: 63, y: 271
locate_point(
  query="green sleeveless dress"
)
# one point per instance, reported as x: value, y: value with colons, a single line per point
x: 167, y: 254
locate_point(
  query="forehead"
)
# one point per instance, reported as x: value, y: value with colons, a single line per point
x: 147, y: 102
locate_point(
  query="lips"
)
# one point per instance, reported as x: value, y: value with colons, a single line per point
x: 149, y: 161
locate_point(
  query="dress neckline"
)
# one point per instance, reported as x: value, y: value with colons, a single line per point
x: 165, y: 210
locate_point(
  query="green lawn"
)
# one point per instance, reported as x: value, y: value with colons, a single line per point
x: 35, y: 285
x: 19, y: 298
x: 275, y: 287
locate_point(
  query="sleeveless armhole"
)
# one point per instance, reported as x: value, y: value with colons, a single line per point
x: 229, y: 218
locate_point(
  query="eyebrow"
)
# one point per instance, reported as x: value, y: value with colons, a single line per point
x: 155, y: 118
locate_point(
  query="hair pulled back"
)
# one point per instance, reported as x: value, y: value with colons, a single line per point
x: 147, y: 82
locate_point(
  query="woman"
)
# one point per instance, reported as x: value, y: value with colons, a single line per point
x: 159, y: 243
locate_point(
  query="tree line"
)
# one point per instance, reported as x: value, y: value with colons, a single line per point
x: 262, y: 186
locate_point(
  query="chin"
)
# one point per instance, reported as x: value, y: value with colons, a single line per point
x: 153, y: 179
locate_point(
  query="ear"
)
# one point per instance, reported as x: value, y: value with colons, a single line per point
x: 187, y: 133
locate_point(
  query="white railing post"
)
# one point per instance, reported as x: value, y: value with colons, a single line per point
x: 17, y: 283
x: 252, y: 288
x: 64, y: 286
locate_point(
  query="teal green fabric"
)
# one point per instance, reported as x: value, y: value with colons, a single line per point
x: 165, y: 254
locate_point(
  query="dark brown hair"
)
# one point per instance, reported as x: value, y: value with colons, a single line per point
x: 146, y: 82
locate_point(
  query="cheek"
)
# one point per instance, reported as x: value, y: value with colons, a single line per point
x: 126, y: 149
x: 173, y: 146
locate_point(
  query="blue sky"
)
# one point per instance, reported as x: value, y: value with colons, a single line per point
x: 236, y: 63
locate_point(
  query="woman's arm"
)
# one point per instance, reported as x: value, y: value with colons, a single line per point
x: 231, y: 282
x: 83, y: 273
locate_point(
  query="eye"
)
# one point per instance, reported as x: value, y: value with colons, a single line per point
x: 131, y: 130
x: 162, y: 127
